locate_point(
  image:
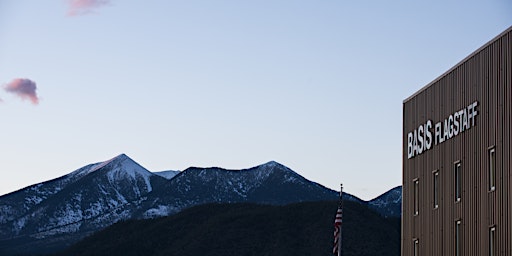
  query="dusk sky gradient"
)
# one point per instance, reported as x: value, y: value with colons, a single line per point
x: 315, y: 85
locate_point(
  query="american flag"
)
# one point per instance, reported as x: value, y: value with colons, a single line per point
x: 337, y: 229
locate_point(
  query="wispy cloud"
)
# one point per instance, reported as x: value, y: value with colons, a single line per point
x: 83, y: 7
x: 23, y: 88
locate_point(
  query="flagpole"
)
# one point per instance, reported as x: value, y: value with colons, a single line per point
x: 340, y: 253
x: 338, y: 226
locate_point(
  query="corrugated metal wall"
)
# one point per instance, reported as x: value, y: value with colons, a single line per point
x: 486, y: 77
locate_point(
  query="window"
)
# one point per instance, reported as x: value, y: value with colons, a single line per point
x: 492, y: 169
x: 416, y: 247
x: 457, y: 238
x: 436, y: 188
x: 458, y: 184
x: 492, y: 241
x: 416, y: 196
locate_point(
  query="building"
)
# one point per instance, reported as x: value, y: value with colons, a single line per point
x: 457, y: 158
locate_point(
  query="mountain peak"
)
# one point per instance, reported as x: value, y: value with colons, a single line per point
x: 121, y: 156
x: 271, y: 164
x: 128, y: 166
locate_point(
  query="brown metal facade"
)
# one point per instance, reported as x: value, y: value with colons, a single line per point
x: 434, y: 222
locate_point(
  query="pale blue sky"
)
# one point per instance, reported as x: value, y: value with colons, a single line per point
x: 315, y: 85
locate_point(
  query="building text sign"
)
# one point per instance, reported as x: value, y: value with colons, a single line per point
x: 428, y: 134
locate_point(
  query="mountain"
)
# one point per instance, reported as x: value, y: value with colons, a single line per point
x: 68, y: 208
x: 51, y: 215
x: 249, y: 229
x: 270, y: 183
x: 388, y: 204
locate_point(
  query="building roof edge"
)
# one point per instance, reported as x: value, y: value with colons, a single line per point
x: 509, y: 29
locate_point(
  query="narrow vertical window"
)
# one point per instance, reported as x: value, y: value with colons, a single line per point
x: 416, y: 247
x: 492, y: 169
x: 492, y: 241
x: 436, y: 188
x: 458, y: 184
x: 457, y: 238
x: 416, y: 196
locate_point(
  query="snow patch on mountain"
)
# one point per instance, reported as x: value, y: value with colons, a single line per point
x: 70, y: 214
x: 265, y: 170
x: 94, y: 209
x: 19, y: 224
x: 240, y: 191
x: 32, y: 200
x: 159, y: 211
x: 6, y: 212
x: 69, y: 228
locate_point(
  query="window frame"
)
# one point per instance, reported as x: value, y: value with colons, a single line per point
x: 458, y: 224
x: 416, y: 196
x: 416, y: 247
x: 492, y: 241
x: 435, y: 174
x: 492, y: 168
x: 458, y: 180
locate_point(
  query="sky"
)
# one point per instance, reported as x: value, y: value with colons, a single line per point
x: 317, y: 86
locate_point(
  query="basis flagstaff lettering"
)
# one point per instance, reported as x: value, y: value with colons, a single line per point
x: 423, y: 138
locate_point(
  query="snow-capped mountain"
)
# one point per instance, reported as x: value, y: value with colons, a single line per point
x: 50, y: 215
x: 55, y: 213
x: 88, y: 199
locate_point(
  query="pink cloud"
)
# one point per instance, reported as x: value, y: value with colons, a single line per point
x: 82, y: 7
x: 23, y: 88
